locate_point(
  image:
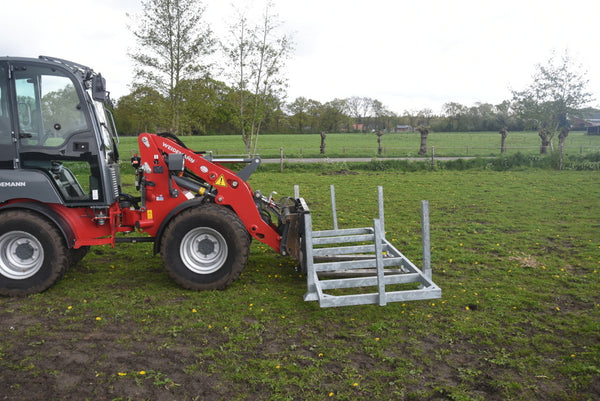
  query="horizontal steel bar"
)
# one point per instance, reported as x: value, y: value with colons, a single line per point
x: 356, y: 264
x: 356, y: 282
x: 343, y: 239
x: 344, y: 231
x: 344, y: 250
x: 373, y: 298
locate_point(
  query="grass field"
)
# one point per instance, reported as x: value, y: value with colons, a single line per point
x: 517, y: 255
x: 404, y: 144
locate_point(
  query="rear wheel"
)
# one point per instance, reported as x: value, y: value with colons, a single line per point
x: 205, y: 248
x: 33, y: 253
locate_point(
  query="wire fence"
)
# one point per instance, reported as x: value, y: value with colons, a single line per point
x: 399, y: 152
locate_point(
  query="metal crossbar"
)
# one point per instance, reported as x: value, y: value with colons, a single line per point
x: 368, y: 269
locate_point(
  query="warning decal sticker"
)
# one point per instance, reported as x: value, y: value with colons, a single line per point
x: 221, y: 181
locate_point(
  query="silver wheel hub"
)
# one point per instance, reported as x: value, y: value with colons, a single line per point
x: 203, y: 250
x: 21, y: 255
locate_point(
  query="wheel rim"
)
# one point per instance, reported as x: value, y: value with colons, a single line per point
x: 203, y: 250
x: 21, y: 255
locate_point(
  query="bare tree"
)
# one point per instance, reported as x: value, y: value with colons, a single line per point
x: 323, y: 137
x: 359, y: 108
x: 424, y: 133
x: 564, y: 132
x: 504, y: 133
x: 379, y: 135
x: 257, y: 55
x: 172, y: 39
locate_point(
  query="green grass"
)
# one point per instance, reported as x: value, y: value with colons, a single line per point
x: 516, y: 253
x: 404, y: 144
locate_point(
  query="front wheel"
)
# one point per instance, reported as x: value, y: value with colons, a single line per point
x: 33, y: 253
x: 205, y: 248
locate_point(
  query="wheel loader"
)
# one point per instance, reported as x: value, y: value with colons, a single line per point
x: 60, y: 188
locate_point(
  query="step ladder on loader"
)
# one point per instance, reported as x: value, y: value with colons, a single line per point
x: 376, y: 273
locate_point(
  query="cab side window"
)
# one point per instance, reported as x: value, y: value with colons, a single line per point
x: 49, y: 107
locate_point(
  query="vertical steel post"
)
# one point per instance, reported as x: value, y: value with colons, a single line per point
x: 381, y: 212
x: 379, y: 262
x: 296, y: 191
x: 333, y: 208
x: 311, y: 275
x: 426, y: 239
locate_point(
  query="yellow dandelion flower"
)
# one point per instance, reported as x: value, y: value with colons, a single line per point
x: 69, y: 307
x: 142, y: 372
x: 98, y: 318
x: 194, y: 311
x: 122, y: 374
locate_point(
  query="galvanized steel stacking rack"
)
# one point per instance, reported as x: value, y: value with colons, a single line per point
x: 360, y: 266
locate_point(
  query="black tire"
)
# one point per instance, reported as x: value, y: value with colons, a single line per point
x: 205, y: 248
x: 33, y: 253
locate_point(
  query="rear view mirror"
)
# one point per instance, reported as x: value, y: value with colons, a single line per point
x: 99, y: 88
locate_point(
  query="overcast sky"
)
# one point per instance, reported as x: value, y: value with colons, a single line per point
x: 410, y: 55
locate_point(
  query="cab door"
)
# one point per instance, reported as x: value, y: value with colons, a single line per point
x: 8, y: 152
x: 55, y: 132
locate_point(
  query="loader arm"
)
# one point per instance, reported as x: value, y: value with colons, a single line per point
x: 208, y: 178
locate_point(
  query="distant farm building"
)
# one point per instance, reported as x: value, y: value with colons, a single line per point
x: 403, y: 128
x: 589, y: 123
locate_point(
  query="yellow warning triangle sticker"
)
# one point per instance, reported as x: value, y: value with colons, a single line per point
x: 221, y: 181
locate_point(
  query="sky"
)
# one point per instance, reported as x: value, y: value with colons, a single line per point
x: 408, y: 54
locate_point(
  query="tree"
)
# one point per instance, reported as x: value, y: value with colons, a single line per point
x: 171, y: 42
x: 504, y: 134
x: 359, y: 108
x: 256, y: 57
x: 141, y: 111
x: 557, y: 92
x: 323, y: 137
x: 333, y: 116
x: 201, y: 100
x: 379, y: 149
x: 454, y: 112
x: 299, y: 109
x: 424, y: 117
x: 424, y: 133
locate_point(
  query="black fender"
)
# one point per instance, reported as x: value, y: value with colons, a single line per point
x: 176, y: 210
x: 50, y: 214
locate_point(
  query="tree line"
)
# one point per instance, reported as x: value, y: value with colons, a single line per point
x: 176, y: 89
x: 210, y: 108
